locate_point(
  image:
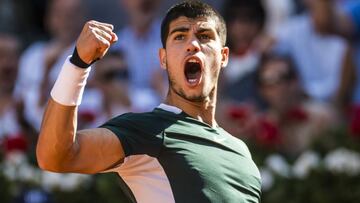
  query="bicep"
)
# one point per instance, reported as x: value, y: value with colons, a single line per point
x: 96, y: 150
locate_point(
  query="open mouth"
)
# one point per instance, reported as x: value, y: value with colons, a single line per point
x: 193, y: 71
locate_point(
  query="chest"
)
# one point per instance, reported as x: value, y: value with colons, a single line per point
x: 210, y: 164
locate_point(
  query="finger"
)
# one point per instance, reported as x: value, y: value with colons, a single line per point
x: 107, y: 30
x: 103, y: 46
x: 114, y: 38
x: 102, y: 29
x: 101, y: 40
x: 107, y: 25
x: 102, y: 33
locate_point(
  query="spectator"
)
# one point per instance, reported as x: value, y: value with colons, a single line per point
x: 22, y: 18
x: 245, y: 22
x: 346, y: 23
x: 40, y: 64
x: 11, y: 132
x: 142, y: 33
x: 319, y: 55
x: 294, y: 119
x: 112, y: 78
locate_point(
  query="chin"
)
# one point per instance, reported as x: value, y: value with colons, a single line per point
x: 196, y: 98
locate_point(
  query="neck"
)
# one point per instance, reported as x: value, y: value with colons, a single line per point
x: 203, y: 111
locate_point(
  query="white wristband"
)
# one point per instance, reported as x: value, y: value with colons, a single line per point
x: 70, y: 84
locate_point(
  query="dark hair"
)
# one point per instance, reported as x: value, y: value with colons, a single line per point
x: 245, y: 10
x: 192, y: 9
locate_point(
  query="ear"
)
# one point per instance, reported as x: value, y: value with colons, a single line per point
x: 224, y: 56
x: 162, y: 58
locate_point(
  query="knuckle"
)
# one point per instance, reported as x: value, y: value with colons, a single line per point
x: 88, y: 23
x: 104, y: 43
x: 101, y: 42
x: 107, y: 36
x: 91, y: 22
x: 93, y: 33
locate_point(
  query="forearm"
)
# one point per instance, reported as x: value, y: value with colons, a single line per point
x: 333, y: 20
x: 347, y: 81
x: 60, y: 148
x: 57, y: 140
x: 340, y: 22
x: 343, y: 26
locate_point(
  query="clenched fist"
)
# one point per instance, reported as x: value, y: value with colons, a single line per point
x: 94, y: 41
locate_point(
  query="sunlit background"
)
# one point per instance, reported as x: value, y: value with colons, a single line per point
x: 291, y: 91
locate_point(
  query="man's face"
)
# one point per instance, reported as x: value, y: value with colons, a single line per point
x: 276, y: 87
x: 193, y: 57
x: 242, y: 34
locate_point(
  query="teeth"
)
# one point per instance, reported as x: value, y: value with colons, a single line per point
x: 193, y: 61
x: 192, y: 80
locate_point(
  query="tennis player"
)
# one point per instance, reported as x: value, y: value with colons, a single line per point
x: 175, y: 153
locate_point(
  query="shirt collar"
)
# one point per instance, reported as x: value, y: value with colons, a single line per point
x: 170, y: 108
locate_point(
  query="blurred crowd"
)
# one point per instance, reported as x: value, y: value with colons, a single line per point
x: 293, y: 74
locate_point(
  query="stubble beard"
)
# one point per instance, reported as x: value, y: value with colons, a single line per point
x: 181, y: 92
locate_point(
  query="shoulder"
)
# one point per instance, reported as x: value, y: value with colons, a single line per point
x: 147, y: 123
x: 139, y: 133
x: 134, y: 119
x: 240, y: 146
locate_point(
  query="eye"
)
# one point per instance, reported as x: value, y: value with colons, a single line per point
x: 204, y: 37
x: 179, y: 37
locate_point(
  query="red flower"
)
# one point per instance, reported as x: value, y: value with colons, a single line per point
x: 239, y: 112
x: 267, y: 132
x: 355, y: 121
x: 296, y: 114
x: 87, y: 116
x: 15, y: 142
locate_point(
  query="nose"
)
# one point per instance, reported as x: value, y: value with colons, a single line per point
x: 193, y: 45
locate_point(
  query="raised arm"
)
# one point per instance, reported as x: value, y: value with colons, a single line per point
x: 60, y: 147
x: 332, y: 19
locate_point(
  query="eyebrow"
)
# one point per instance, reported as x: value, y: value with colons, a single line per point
x: 179, y: 29
x: 201, y: 30
x: 185, y: 29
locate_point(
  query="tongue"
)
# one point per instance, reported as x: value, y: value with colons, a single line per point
x: 191, y: 76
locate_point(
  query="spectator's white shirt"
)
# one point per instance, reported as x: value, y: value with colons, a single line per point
x: 30, y: 77
x: 318, y: 58
x: 278, y: 12
x: 141, y: 55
